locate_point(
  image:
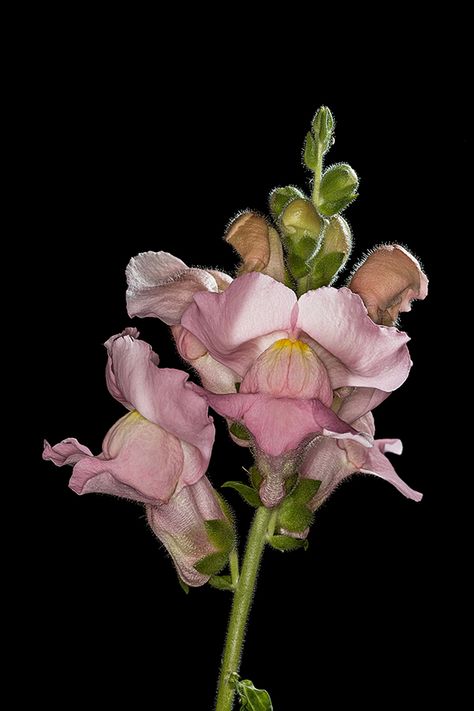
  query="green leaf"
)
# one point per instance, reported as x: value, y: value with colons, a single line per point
x: 280, y: 197
x: 252, y: 699
x: 305, y: 490
x: 220, y: 534
x: 183, y: 586
x: 287, y: 543
x: 239, y: 431
x: 325, y: 269
x: 247, y: 493
x: 221, y: 582
x: 294, y: 516
x: 255, y: 477
x: 212, y: 564
x: 310, y: 152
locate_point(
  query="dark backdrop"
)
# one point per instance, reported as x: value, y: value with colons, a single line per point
x: 125, y: 160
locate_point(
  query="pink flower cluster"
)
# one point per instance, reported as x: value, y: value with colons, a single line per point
x: 300, y: 375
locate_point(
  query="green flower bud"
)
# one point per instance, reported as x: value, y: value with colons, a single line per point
x: 323, y: 128
x: 300, y: 217
x: 280, y: 197
x: 338, y: 188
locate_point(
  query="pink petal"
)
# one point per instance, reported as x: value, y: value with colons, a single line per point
x: 140, y: 461
x: 387, y: 281
x: 161, y: 285
x: 214, y: 376
x: 359, y: 402
x: 289, y: 368
x: 223, y: 280
x: 179, y: 524
x: 326, y: 461
x: 161, y: 395
x: 378, y: 465
x: 240, y: 323
x: 280, y: 425
x: 354, y: 349
x: 258, y: 245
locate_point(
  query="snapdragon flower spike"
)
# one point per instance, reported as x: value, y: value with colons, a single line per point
x: 155, y: 452
x: 388, y: 280
x: 331, y: 462
x: 163, y: 286
x: 291, y: 354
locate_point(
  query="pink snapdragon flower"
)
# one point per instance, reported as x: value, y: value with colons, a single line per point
x: 156, y: 454
x: 289, y: 356
x: 163, y: 286
x: 388, y: 280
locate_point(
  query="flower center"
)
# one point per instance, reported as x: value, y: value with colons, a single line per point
x: 289, y: 368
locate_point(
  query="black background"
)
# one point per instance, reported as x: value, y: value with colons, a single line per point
x: 128, y: 156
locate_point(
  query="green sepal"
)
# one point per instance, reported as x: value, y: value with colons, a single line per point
x: 305, y: 490
x: 280, y: 197
x: 183, y: 586
x: 239, y: 431
x: 221, y: 582
x: 330, y: 208
x: 287, y: 543
x: 251, y: 699
x: 297, y: 266
x: 247, y: 492
x: 220, y: 534
x: 324, y: 269
x: 310, y: 152
x: 305, y: 247
x: 290, y: 483
x: 212, y: 564
x: 294, y: 516
x: 255, y: 477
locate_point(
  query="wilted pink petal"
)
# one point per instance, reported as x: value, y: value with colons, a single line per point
x: 179, y: 525
x: 239, y: 324
x: 163, y: 286
x: 258, y: 245
x: 354, y: 350
x: 280, y: 425
x: 387, y: 281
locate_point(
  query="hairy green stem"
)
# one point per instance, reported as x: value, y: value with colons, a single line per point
x: 317, y: 178
x: 241, y: 607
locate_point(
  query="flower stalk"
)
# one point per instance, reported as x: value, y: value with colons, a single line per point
x: 241, y: 608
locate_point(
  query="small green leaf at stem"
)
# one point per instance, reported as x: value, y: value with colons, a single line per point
x: 287, y: 543
x: 221, y: 534
x: 247, y: 493
x: 212, y: 564
x: 310, y: 153
x: 251, y: 699
x: 221, y: 582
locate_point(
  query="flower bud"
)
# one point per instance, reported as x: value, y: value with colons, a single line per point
x: 302, y: 227
x: 323, y: 128
x: 258, y: 245
x: 333, y: 254
x: 338, y: 189
x: 280, y: 197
